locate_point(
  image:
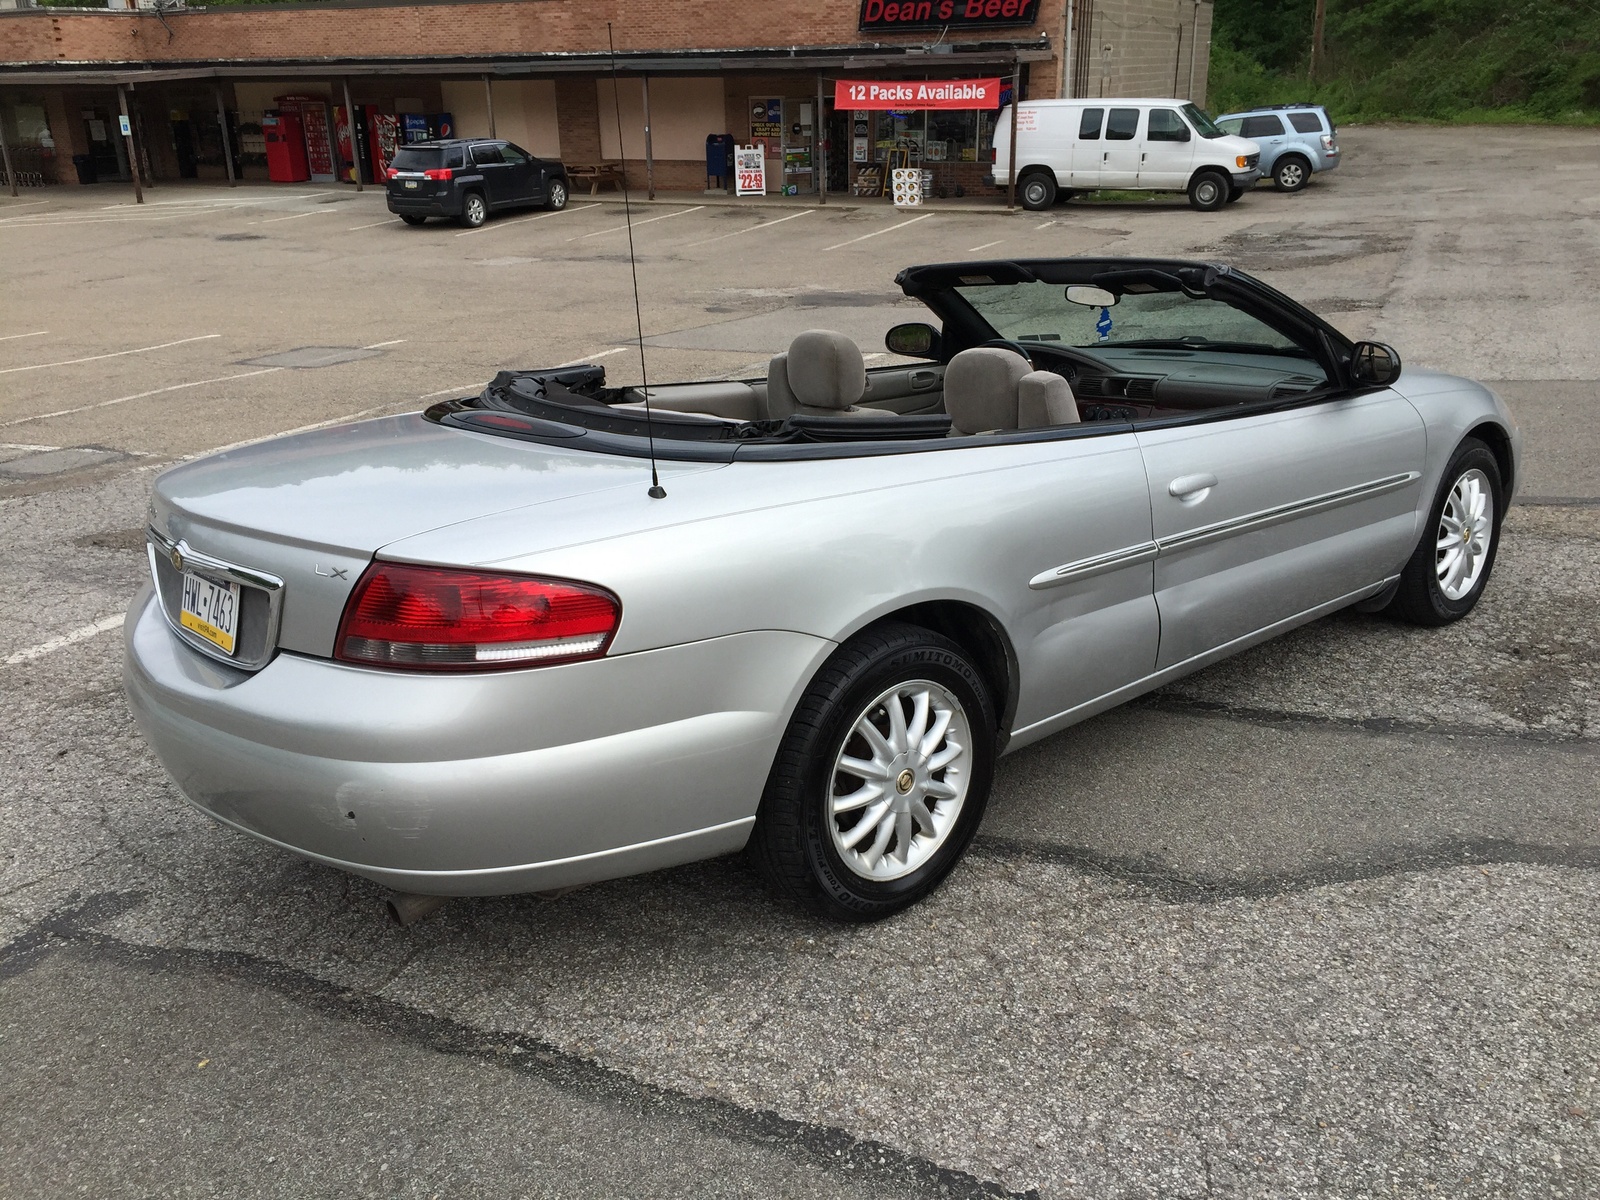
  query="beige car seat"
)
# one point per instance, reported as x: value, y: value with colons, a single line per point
x: 990, y: 390
x: 821, y: 375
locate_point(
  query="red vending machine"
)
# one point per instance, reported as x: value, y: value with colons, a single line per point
x: 286, y: 148
x: 383, y: 139
x: 313, y: 114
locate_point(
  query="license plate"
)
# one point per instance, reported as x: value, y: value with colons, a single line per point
x: 412, y: 184
x: 211, y: 610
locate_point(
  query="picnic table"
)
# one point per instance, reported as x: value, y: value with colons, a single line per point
x: 595, y: 174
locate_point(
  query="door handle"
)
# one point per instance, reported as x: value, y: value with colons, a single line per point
x: 921, y: 380
x: 1191, y: 489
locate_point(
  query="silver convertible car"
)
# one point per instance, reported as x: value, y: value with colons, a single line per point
x: 498, y: 647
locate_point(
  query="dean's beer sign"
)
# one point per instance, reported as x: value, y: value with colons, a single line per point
x: 892, y: 16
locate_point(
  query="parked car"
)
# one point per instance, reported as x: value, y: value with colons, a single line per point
x: 473, y: 651
x: 468, y: 179
x: 1068, y: 146
x: 1296, y: 140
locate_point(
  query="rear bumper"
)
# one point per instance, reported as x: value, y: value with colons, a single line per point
x: 448, y: 205
x: 476, y: 784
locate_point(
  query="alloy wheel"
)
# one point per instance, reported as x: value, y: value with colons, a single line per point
x: 899, y: 780
x: 1291, y: 175
x: 1466, y: 527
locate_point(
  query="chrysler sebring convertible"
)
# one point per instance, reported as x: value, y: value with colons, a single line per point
x: 480, y: 650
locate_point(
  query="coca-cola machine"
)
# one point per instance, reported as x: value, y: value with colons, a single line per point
x: 313, y: 114
x: 383, y: 139
x: 286, y: 147
x: 352, y: 156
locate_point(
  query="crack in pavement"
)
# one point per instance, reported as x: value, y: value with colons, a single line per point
x: 828, y: 1147
x: 1155, y: 879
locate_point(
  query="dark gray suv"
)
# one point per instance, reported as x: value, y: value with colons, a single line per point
x: 468, y: 178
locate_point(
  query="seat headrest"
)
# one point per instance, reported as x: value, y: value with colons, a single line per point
x: 1044, y: 398
x: 980, y: 389
x: 826, y: 369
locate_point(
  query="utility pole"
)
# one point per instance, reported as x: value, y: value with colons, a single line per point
x: 1318, y: 50
x: 133, y: 147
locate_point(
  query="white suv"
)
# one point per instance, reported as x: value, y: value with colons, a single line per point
x: 1068, y: 146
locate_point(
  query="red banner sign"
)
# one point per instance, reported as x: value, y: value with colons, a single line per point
x: 916, y: 93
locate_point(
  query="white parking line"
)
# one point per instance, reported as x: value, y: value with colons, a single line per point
x: 752, y: 229
x: 62, y: 220
x: 454, y: 391
x: 381, y: 345
x: 36, y: 333
x: 81, y: 634
x: 177, y: 387
x: 985, y: 246
x: 37, y: 449
x: 67, y: 362
x: 579, y: 362
x: 682, y: 212
x: 23, y: 204
x: 524, y: 220
x: 321, y: 212
x: 877, y: 232
x: 374, y: 225
x: 1046, y: 225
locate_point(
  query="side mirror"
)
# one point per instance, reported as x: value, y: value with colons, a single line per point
x: 1373, y: 364
x: 913, y: 340
x: 1090, y: 297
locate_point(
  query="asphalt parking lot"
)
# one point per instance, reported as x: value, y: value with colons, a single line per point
x: 1320, y: 921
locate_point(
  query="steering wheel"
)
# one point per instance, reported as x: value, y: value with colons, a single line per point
x: 1078, y: 359
x: 1015, y: 347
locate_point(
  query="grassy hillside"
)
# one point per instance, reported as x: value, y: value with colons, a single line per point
x: 1440, y: 60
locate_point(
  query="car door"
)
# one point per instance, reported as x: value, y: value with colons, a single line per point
x: 914, y: 388
x: 1119, y: 158
x: 486, y: 157
x: 1166, y: 154
x: 1266, y: 130
x: 525, y: 183
x: 1088, y: 149
x: 1261, y: 517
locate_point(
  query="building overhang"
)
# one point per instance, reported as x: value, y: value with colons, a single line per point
x: 961, y: 57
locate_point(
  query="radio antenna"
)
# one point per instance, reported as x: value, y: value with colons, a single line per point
x: 657, y: 492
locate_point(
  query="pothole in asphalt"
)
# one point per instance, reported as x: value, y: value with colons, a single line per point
x: 55, y: 462
x: 1255, y: 249
x: 306, y: 358
x: 112, y: 539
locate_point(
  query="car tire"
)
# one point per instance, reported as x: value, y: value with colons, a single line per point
x: 1450, y: 567
x: 1291, y: 173
x: 810, y: 851
x: 556, y: 194
x: 1234, y: 193
x: 1208, y: 191
x: 474, y: 210
x: 1038, y: 190
x: 413, y: 219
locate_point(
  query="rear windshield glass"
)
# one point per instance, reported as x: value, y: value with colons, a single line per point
x: 425, y: 158
x: 1306, y: 122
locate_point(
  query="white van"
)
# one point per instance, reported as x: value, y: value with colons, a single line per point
x: 1137, y: 145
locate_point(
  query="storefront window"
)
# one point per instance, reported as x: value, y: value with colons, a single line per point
x: 936, y: 136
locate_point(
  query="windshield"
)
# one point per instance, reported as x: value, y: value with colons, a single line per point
x: 1203, y: 125
x: 1027, y: 312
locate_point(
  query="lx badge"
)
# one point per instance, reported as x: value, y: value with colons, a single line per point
x: 331, y: 572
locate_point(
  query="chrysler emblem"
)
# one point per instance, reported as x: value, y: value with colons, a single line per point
x: 177, y: 559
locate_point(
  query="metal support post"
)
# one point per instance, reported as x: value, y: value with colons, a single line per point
x: 133, y: 149
x: 5, y: 154
x: 1016, y: 103
x: 819, y: 148
x: 488, y: 98
x: 355, y: 145
x: 649, y: 148
x: 227, y: 142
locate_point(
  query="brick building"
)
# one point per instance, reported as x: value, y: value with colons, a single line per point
x: 203, y: 85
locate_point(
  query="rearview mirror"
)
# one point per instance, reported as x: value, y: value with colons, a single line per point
x: 913, y: 340
x: 1373, y: 364
x: 1090, y: 297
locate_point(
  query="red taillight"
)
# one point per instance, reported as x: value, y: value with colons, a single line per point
x: 441, y: 173
x: 440, y: 619
x: 391, y: 173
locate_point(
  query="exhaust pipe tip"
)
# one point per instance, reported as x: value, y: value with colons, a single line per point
x: 407, y: 908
